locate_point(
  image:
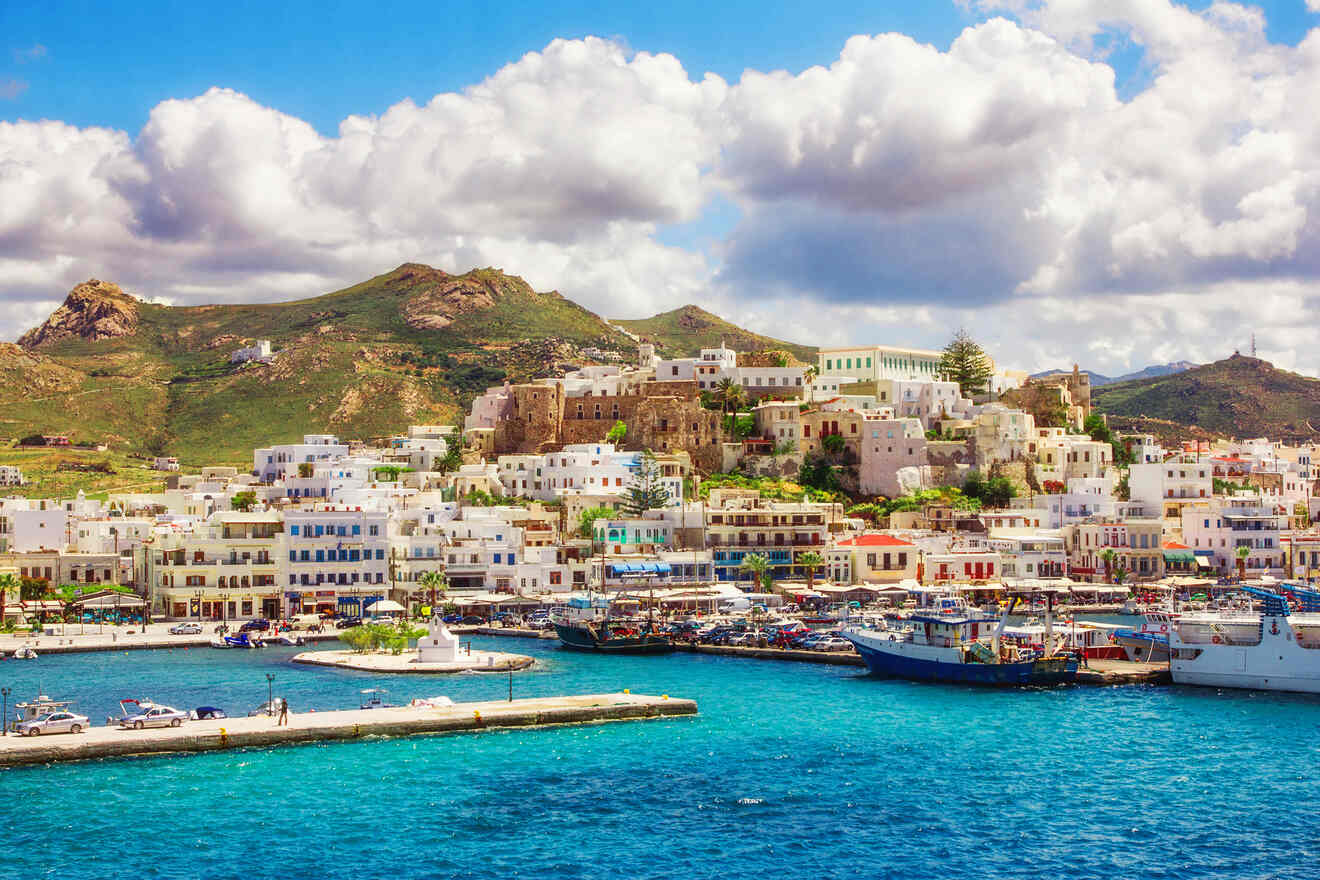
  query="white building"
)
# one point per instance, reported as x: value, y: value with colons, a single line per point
x: 873, y: 363
x: 277, y: 462
x: 1169, y: 485
x: 1223, y: 526
x: 10, y: 475
x: 260, y: 351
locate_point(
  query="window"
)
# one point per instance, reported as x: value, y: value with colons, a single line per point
x: 357, y: 530
x: 293, y: 530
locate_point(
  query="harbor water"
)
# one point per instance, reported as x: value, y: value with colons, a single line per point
x: 790, y: 769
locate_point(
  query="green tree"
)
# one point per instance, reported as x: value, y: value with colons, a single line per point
x: 617, y: 434
x: 358, y: 639
x: 833, y: 443
x: 646, y: 492
x: 1108, y: 556
x: 1242, y: 553
x: 587, y: 520
x: 8, y: 584
x: 759, y: 566
x: 730, y: 394
x: 817, y: 473
x: 966, y: 363
x: 304, y: 469
x: 435, y: 583
x: 810, y: 561
x: 1120, y: 575
x: 244, y: 500
x: 452, y: 460
x: 32, y: 589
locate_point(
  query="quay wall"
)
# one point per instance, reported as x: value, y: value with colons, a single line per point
x: 307, y: 727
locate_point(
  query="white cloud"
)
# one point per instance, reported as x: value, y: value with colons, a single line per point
x: 898, y: 193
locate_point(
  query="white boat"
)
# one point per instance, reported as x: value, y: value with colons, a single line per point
x: 1275, y: 649
x: 26, y: 652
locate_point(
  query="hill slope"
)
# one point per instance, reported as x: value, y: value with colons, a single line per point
x: 684, y: 331
x: 411, y: 345
x: 1098, y: 379
x: 1239, y: 396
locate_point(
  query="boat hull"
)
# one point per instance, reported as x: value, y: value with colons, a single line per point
x: 890, y: 661
x: 1143, y: 647
x: 1278, y: 662
x: 581, y: 638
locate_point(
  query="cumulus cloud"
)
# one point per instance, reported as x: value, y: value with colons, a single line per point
x: 901, y: 191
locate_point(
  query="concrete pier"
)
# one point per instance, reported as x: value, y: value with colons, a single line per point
x: 305, y: 727
x: 1117, y: 672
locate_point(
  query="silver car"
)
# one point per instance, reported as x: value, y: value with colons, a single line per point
x: 186, y: 629
x: 53, y: 722
x: 155, y: 716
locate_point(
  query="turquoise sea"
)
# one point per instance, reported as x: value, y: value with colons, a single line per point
x: 791, y: 770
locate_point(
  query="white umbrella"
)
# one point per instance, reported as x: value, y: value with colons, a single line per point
x: 381, y: 606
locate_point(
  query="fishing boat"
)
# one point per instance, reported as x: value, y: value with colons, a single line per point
x: 953, y: 642
x: 1150, y: 642
x: 242, y: 640
x: 585, y: 625
x: 1275, y: 648
x: 374, y: 698
x: 26, y: 652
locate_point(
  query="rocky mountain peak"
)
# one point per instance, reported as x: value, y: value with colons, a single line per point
x: 93, y: 310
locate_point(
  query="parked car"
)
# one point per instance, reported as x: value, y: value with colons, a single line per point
x: 186, y: 629
x: 348, y: 622
x: 452, y: 618
x: 53, y: 722
x: 472, y: 620
x: 154, y: 716
x: 259, y: 624
x: 832, y: 643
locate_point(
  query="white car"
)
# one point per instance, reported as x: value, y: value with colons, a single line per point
x: 154, y: 716
x: 53, y: 722
x: 833, y: 643
x: 186, y: 629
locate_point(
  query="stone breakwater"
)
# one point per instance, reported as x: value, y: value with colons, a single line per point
x: 352, y: 724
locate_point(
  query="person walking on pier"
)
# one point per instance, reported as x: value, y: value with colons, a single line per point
x: 284, y: 713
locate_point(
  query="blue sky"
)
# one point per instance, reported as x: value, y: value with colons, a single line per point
x: 864, y: 171
x: 108, y: 63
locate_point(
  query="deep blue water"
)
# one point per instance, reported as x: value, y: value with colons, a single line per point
x: 791, y: 770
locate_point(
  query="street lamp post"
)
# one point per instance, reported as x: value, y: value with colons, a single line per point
x: 4, y: 711
x: 270, y: 694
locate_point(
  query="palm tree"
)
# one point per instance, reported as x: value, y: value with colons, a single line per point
x: 811, y: 560
x: 1242, y: 553
x: 435, y: 583
x: 759, y: 566
x: 731, y: 394
x: 1109, y: 556
x: 8, y: 583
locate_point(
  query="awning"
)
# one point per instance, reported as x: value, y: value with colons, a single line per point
x: 1180, y: 557
x: 112, y: 600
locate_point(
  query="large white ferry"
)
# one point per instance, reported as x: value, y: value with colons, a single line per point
x: 1275, y: 649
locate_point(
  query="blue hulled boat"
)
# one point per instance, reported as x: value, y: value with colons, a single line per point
x: 957, y: 644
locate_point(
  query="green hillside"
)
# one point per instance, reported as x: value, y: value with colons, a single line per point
x: 410, y: 346
x: 683, y: 332
x: 1238, y: 397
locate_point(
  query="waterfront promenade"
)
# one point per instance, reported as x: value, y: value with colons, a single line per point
x: 351, y: 724
x: 76, y: 638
